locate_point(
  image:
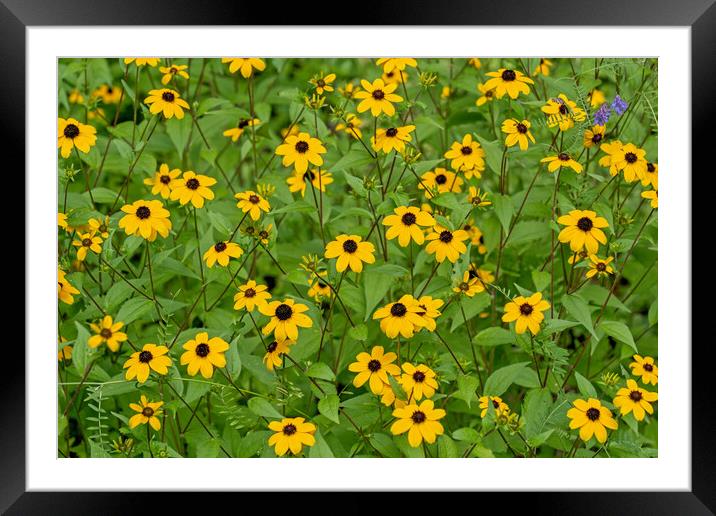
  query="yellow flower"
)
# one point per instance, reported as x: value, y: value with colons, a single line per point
x: 99, y: 226
x: 75, y: 97
x: 584, y: 230
x: 147, y: 218
x: 318, y: 178
x: 299, y: 150
x: 439, y: 180
x: 633, y: 398
x: 645, y: 368
x: 446, y: 244
x: 596, y: 98
x: 591, y: 418
x: 473, y: 282
x: 148, y: 412
x: 392, y: 138
x: 235, y: 132
x: 62, y: 220
x: 162, y: 179
x: 166, y: 101
x: 251, y: 295
x: 65, y: 353
x: 527, y: 311
x: 631, y: 160
x: 599, y: 266
x: 401, y: 317
x: 446, y: 92
x: 222, y: 252
x: 374, y: 368
x: 107, y: 332
x: 351, y: 126
x: 65, y: 290
x: 406, y: 224
x: 396, y: 63
x: 192, y: 187
x: 613, y: 151
x: 173, y: 70
x: 466, y: 155
x: 142, y: 61
x: 651, y: 176
x: 291, y: 434
x: 203, y: 354
x: 517, y: 133
x: 653, y: 195
x: 578, y: 256
x: 247, y: 65
x: 477, y: 198
x: 395, y: 77
x: 252, y: 203
x: 418, y: 381
x: 420, y: 421
x: 475, y: 63
x: 561, y: 160
x: 488, y: 94
x: 351, y: 252
x: 594, y: 136
x: 378, y: 97
x: 508, y: 81
x: 87, y: 242
x: 108, y: 93
x: 429, y: 311
x: 500, y: 406
x: 141, y: 363
x: 543, y: 67
x: 322, y: 83
x: 318, y: 288
x: 286, y: 316
x: 562, y: 112
x: 476, y: 236
x: 274, y: 350
x: 72, y: 134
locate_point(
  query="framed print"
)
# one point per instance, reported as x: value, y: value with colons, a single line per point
x: 319, y: 267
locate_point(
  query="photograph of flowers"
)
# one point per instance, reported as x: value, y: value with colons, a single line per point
x: 357, y: 257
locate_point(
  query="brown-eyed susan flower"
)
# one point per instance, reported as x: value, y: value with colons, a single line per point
x: 613, y: 152
x: 508, y: 81
x: 477, y: 197
x: 653, y: 196
x: 222, y: 252
x: 292, y: 130
x: 543, y: 67
x: 108, y: 93
x: 418, y: 381
x: 420, y: 421
x: 527, y: 312
x: 562, y: 159
x: 591, y: 418
x: 235, y: 132
x: 319, y: 288
x: 87, y: 242
x: 562, y: 112
x: 162, y: 179
x: 351, y: 251
x: 318, y: 179
x: 593, y: 137
x: 650, y: 176
x: 203, y: 354
x: 107, y: 332
x: 374, y: 368
x: 351, y: 126
x: 99, y: 226
x: 445, y: 243
x: 578, y: 256
x: 395, y: 77
x: 192, y: 187
x: 429, y: 311
x: 142, y: 61
x: 392, y: 138
x: 300, y: 150
x: 487, y: 95
x: 73, y: 134
x: 146, y: 218
x: 631, y: 160
x: 584, y: 230
x: 634, y: 399
x: 252, y: 203
x: 401, y: 317
x: 274, y: 350
x: 406, y: 224
x: 323, y: 83
x: 264, y: 234
x: 499, y: 406
x: 518, y: 133
x: 172, y: 71
x: 150, y: 358
x: 292, y: 433
x: 466, y: 155
x: 377, y: 97
x: 251, y: 295
x: 440, y: 181
x: 246, y: 65
x: 473, y: 282
x: 599, y: 266
x: 65, y: 290
x: 596, y: 98
x: 348, y: 90
x: 166, y: 101
x: 646, y: 369
x: 396, y: 63
x: 147, y: 413
x: 286, y: 317
x: 476, y: 236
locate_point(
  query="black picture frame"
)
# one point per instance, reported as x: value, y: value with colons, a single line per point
x: 699, y: 15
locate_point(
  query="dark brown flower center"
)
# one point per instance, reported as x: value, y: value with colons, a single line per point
x: 521, y: 128
x: 283, y: 312
x: 593, y: 414
x: 106, y: 333
x: 192, y: 184
x: 466, y: 150
x: 446, y: 237
x: 147, y: 411
x: 289, y: 429
x: 71, y: 131
x: 650, y: 167
x: 601, y: 267
x: 109, y: 90
x: 321, y: 285
x: 408, y: 219
x: 418, y: 417
x: 164, y: 179
x: 398, y: 310
x: 202, y: 349
x: 509, y: 75
x: 648, y: 367
x: 563, y: 156
x: 635, y: 396
x: 597, y: 137
x: 585, y: 224
x: 168, y: 96
x: 378, y: 94
x: 86, y: 242
x: 441, y: 179
x: 263, y: 235
x: 630, y: 157
x: 464, y: 286
x: 145, y: 357
x: 249, y: 292
x: 562, y: 109
x: 243, y: 123
x: 173, y: 70
x: 419, y: 376
x: 488, y: 94
x: 220, y: 247
x: 526, y: 309
x: 301, y: 147
x: 350, y: 246
x: 496, y: 404
x: 391, y: 132
x: 374, y: 365
x: 309, y: 176
x: 254, y: 199
x: 320, y: 83
x: 272, y: 347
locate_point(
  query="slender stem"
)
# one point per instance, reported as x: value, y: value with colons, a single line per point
x: 198, y: 252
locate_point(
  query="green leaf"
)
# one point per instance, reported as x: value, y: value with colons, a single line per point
x: 320, y: 450
x: 133, y: 310
x: 354, y: 159
x: 385, y: 445
x: 447, y: 447
x: 585, y: 386
x: 654, y: 313
x: 494, y: 336
x: 359, y: 332
x: 466, y: 434
x: 540, y: 279
x: 500, y: 380
x: 493, y: 154
x: 579, y: 309
x: 80, y: 350
x: 472, y: 307
x: 328, y: 406
x: 557, y: 325
x: 375, y: 287
x: 261, y: 407
x: 466, y: 387
x: 356, y: 184
x: 619, y: 331
x: 320, y: 370
x: 503, y: 209
x: 535, y: 409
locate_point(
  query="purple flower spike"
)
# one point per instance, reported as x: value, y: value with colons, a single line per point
x: 619, y: 105
x: 601, y: 117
